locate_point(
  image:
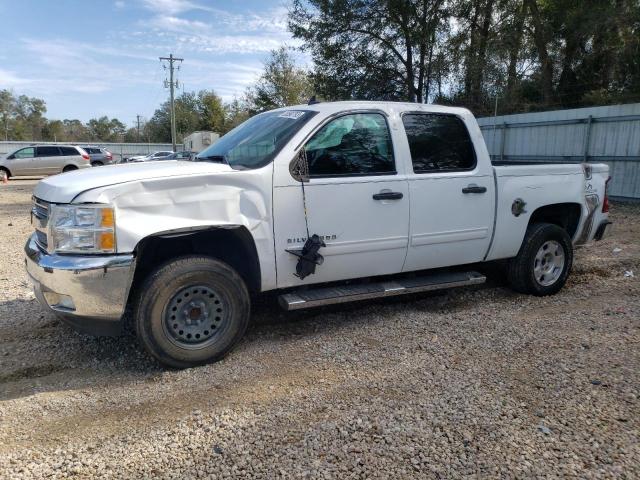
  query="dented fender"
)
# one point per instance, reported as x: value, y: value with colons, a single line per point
x: 154, y: 206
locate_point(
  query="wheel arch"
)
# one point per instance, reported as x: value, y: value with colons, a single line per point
x: 233, y: 245
x: 565, y: 215
x: 6, y: 169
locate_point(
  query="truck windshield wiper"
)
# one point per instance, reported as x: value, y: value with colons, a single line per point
x: 213, y: 158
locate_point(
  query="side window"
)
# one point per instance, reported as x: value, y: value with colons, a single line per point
x: 28, y: 152
x: 68, y: 151
x: 47, y: 151
x: 354, y: 144
x: 438, y: 143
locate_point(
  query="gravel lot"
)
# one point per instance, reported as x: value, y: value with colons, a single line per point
x: 473, y: 382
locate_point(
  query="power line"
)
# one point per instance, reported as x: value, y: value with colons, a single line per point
x: 172, y: 84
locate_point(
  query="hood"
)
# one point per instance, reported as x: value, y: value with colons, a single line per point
x: 63, y: 188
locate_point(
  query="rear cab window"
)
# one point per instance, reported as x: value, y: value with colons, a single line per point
x: 438, y: 143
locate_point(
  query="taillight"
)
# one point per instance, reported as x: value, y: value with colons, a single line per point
x: 86, y: 157
x: 109, y: 156
x: 605, y: 202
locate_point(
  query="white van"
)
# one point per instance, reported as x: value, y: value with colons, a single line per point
x: 44, y: 160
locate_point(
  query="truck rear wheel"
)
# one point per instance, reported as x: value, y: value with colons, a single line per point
x: 192, y: 311
x: 543, y: 262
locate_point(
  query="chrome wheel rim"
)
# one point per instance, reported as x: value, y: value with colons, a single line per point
x: 195, y: 317
x: 549, y: 263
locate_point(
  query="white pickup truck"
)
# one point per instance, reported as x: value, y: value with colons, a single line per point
x: 324, y: 203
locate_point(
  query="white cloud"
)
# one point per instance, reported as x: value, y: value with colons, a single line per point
x: 173, y: 7
x: 119, y: 4
x: 176, y: 24
x: 65, y: 67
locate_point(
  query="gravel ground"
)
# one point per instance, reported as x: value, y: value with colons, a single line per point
x: 473, y: 382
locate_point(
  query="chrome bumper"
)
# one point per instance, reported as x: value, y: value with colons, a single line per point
x: 80, y: 287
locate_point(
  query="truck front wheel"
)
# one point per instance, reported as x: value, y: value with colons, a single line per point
x: 543, y: 262
x: 192, y: 311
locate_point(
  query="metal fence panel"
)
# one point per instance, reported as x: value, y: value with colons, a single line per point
x: 118, y: 150
x: 608, y: 135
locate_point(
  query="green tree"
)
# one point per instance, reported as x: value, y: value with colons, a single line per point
x: 281, y: 84
x: 212, y: 111
x: 236, y: 112
x: 53, y: 131
x: 371, y: 48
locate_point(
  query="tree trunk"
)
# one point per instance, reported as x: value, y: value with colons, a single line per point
x: 514, y: 53
x: 476, y: 85
x: 540, y: 40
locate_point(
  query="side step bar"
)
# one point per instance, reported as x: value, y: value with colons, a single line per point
x: 350, y: 293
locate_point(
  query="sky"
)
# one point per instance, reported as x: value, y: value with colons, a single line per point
x: 89, y: 58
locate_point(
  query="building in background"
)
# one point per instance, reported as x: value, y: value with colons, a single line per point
x: 198, y: 141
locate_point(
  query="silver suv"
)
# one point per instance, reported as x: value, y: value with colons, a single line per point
x: 44, y: 160
x: 99, y: 156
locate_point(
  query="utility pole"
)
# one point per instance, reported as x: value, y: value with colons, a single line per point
x: 171, y: 84
x: 138, y: 122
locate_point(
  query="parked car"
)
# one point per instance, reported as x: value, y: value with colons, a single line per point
x: 146, y: 158
x: 322, y: 203
x: 184, y: 155
x: 44, y: 160
x: 99, y: 156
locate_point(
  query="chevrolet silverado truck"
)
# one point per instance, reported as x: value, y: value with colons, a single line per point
x: 323, y: 203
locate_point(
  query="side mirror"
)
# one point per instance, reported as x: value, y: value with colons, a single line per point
x: 11, y: 157
x: 299, y: 167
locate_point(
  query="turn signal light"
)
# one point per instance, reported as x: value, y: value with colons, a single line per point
x: 107, y: 241
x: 106, y: 218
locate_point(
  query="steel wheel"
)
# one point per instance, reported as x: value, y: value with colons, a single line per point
x: 195, y: 317
x: 549, y: 263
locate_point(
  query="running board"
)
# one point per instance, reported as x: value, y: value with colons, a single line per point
x: 350, y: 293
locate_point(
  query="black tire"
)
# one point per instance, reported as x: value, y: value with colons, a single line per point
x: 193, y: 275
x: 521, y: 270
x: 6, y: 172
x: 96, y: 164
x: 69, y: 168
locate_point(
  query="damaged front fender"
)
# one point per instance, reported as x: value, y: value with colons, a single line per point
x: 159, y: 206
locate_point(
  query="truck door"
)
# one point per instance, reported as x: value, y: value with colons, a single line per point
x: 452, y: 193
x: 356, y: 199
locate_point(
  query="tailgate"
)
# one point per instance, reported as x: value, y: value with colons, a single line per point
x: 596, y: 180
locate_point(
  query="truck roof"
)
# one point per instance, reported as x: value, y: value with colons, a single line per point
x: 333, y: 107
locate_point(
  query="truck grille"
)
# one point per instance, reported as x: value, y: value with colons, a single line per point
x: 40, y: 219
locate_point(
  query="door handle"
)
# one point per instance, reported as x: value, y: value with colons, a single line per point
x: 473, y: 188
x: 388, y: 196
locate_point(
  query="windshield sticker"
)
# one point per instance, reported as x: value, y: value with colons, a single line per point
x: 291, y: 114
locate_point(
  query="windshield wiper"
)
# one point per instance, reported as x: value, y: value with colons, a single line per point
x: 213, y: 158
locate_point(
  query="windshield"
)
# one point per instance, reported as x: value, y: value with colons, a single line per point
x: 257, y: 141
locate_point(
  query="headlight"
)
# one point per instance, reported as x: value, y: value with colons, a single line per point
x: 82, y: 229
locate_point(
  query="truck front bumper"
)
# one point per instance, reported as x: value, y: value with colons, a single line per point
x: 89, y: 292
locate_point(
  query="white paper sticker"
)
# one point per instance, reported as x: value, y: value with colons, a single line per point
x: 295, y: 114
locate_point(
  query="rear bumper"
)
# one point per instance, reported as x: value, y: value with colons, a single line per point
x: 89, y: 292
x: 604, y: 229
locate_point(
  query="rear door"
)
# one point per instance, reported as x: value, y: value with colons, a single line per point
x: 70, y: 156
x: 47, y: 161
x: 452, y: 193
x: 356, y: 200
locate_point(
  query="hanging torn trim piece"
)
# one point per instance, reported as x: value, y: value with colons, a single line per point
x: 308, y: 257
